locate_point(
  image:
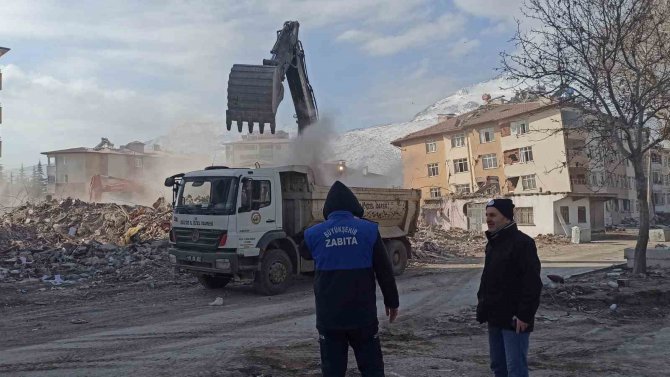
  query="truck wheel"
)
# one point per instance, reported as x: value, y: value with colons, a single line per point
x: 398, y: 256
x: 213, y: 282
x: 275, y: 274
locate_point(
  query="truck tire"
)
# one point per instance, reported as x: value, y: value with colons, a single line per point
x: 213, y: 282
x: 398, y: 255
x: 275, y: 274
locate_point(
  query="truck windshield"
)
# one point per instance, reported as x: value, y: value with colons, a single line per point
x: 208, y: 196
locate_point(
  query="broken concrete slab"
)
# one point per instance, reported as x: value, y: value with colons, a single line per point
x: 656, y: 257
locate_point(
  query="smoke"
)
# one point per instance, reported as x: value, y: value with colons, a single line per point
x: 313, y: 148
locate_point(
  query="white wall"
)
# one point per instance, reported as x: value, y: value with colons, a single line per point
x: 543, y: 212
x: 573, y: 206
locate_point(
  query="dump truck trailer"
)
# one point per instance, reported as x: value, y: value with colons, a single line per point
x: 238, y: 223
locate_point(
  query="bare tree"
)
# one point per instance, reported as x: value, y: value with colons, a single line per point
x: 611, y: 59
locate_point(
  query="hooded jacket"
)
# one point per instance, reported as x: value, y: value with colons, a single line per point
x: 349, y: 255
x: 511, y: 283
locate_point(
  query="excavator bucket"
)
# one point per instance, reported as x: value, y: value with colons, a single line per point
x: 254, y: 93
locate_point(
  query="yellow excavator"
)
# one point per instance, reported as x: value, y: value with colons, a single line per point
x: 255, y: 91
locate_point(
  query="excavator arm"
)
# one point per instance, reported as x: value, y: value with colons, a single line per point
x: 255, y: 91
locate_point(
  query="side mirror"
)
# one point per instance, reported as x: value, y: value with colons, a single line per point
x: 169, y: 182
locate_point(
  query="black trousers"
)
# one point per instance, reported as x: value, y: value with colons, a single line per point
x: 367, y: 349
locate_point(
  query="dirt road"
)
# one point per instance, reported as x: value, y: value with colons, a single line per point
x: 170, y: 330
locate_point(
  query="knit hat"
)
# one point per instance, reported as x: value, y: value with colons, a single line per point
x: 505, y: 206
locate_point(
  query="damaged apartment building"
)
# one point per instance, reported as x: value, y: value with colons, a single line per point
x: 530, y: 152
x: 70, y: 171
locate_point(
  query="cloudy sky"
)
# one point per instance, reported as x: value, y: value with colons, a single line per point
x: 131, y: 70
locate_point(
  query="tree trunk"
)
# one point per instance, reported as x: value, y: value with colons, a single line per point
x: 640, y: 260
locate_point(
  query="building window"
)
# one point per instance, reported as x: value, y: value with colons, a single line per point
x: 458, y: 141
x: 626, y: 205
x: 528, y: 182
x: 524, y: 216
x: 435, y: 192
x: 66, y: 178
x: 581, y: 215
x: 431, y: 147
x: 486, y: 135
x: 657, y: 178
x: 490, y: 161
x: 565, y: 213
x: 462, y: 189
x: 520, y: 128
x: 461, y: 165
x: 578, y: 179
x: 659, y: 199
x: 655, y: 158
x: 138, y: 163
x: 526, y: 154
x: 433, y: 170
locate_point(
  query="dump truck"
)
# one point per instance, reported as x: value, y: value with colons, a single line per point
x: 247, y: 224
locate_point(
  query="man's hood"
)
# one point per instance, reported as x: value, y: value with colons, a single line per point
x: 341, y: 198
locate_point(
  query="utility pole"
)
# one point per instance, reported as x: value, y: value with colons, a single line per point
x: 3, y: 50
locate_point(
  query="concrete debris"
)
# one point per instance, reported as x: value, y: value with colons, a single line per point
x: 551, y: 239
x: 588, y: 294
x: 217, y: 302
x: 72, y: 242
x: 434, y: 244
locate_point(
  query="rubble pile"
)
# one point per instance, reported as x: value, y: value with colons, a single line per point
x: 551, y: 239
x: 615, y: 292
x: 70, y: 241
x: 432, y: 244
x: 53, y: 224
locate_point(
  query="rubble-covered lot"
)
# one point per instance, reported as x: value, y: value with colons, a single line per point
x: 71, y: 242
x: 584, y: 327
x: 83, y: 294
x: 435, y: 244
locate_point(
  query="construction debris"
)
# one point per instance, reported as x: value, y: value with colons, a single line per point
x: 434, y: 244
x: 593, y: 294
x: 551, y: 239
x: 69, y: 242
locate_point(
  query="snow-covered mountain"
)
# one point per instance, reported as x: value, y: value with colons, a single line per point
x: 366, y: 147
x: 371, y: 146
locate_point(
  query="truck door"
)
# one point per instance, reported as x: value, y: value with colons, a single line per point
x: 257, y: 212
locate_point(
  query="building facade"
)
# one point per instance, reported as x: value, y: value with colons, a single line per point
x: 531, y: 152
x: 265, y: 149
x: 69, y: 171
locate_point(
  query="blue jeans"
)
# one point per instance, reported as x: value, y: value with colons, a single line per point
x: 509, y: 352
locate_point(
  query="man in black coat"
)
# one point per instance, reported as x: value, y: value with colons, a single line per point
x: 349, y: 256
x: 509, y: 292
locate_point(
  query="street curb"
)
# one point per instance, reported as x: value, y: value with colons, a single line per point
x: 621, y: 265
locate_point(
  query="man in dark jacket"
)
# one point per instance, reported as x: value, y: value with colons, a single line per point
x: 349, y: 254
x: 509, y: 292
